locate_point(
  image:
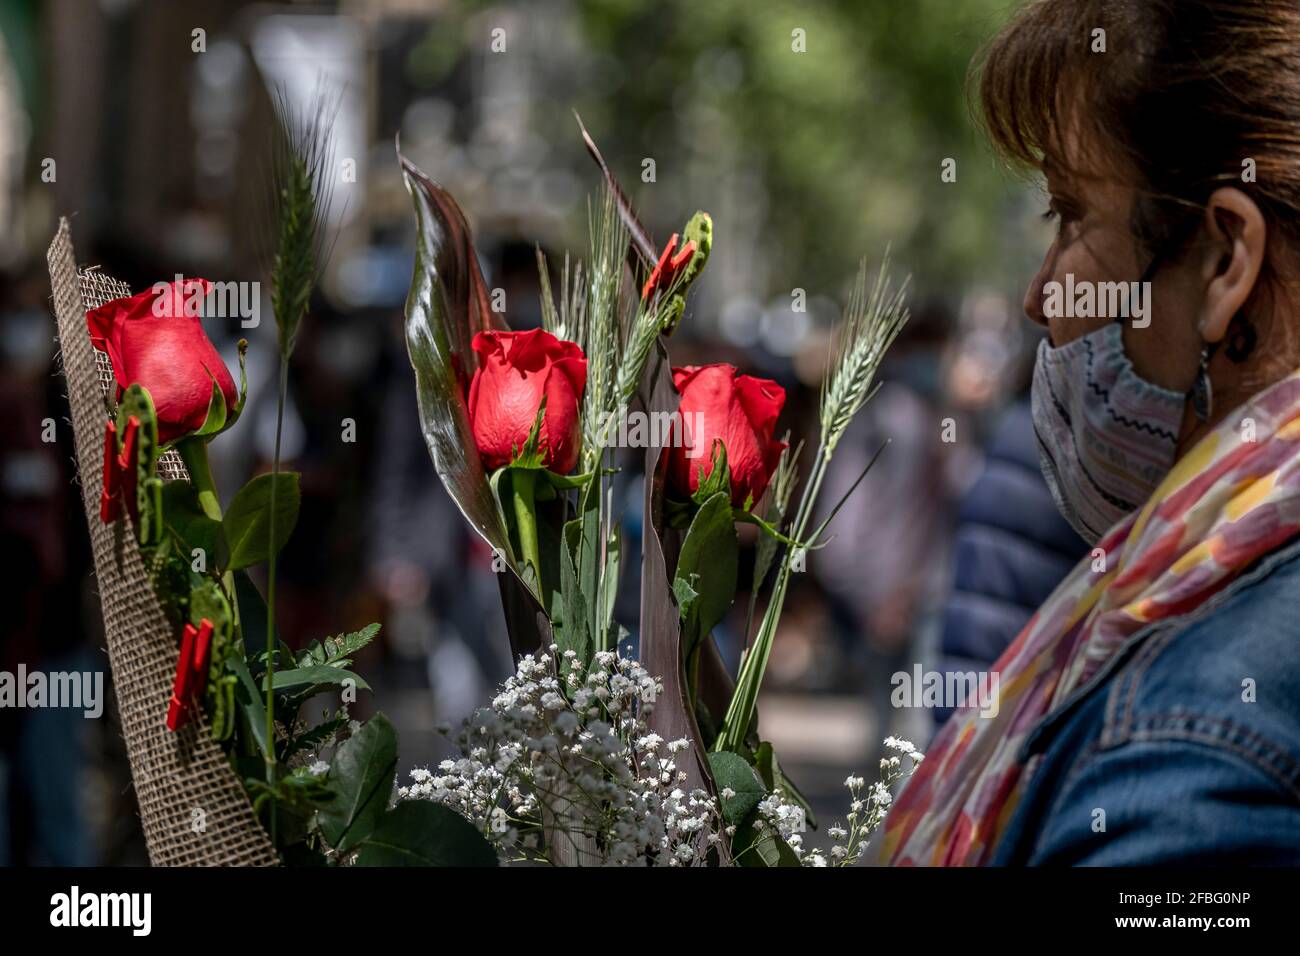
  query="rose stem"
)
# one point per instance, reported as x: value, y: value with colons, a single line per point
x: 194, y: 452
x: 753, y: 665
x: 270, y: 592
x: 522, y: 482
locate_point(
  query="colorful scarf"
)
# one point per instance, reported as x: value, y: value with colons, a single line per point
x: 1230, y: 500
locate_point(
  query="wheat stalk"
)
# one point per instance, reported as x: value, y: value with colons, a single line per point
x: 869, y: 326
x: 871, y: 323
x: 603, y: 325
x: 302, y: 157
x: 565, y: 319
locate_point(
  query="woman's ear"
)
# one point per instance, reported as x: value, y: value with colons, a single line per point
x: 1234, y: 254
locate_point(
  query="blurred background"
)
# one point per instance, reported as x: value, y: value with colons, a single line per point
x: 149, y: 123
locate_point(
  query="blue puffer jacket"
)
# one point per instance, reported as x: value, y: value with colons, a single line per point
x: 1184, y: 748
x: 1011, y: 548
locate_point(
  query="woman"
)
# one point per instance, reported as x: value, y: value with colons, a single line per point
x: 1150, y: 709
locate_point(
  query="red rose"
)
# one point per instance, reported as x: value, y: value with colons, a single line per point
x: 739, y: 409
x: 155, y: 338
x: 515, y: 370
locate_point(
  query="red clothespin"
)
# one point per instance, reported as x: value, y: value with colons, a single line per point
x: 191, y: 673
x: 657, y: 273
x: 130, y: 472
x: 120, y: 472
x: 683, y: 257
x: 110, y: 504
x: 668, y: 268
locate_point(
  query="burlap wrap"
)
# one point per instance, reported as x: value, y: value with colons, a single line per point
x: 193, y: 809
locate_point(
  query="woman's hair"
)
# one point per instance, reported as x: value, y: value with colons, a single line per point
x: 1185, y: 92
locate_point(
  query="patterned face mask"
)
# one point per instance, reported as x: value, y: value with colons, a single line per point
x: 1106, y: 437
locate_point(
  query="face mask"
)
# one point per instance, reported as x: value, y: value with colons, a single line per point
x: 1106, y: 437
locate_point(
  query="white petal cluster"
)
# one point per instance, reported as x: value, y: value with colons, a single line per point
x: 567, y: 750
x: 866, y: 812
x: 563, y: 766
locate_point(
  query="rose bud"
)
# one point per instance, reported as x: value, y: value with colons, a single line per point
x: 155, y: 338
x: 741, y: 410
x: 516, y: 369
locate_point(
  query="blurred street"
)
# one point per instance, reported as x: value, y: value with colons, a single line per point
x: 148, y: 123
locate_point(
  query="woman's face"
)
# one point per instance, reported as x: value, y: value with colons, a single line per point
x: 1095, y: 244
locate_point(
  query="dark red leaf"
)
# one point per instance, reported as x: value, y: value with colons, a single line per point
x: 643, y: 247
x: 447, y: 305
x: 661, y: 650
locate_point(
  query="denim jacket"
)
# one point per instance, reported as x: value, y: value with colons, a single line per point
x: 1184, y: 748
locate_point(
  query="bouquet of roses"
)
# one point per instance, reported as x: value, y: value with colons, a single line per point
x: 586, y: 755
x: 319, y: 784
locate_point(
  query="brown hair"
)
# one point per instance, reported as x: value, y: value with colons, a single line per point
x: 1185, y: 92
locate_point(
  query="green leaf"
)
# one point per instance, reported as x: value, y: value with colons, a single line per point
x: 313, y: 738
x: 598, y: 584
x: 315, y: 676
x: 252, y: 614
x: 573, y: 631
x: 247, y: 524
x: 421, y: 833
x: 567, y: 482
x: 613, y: 562
x: 337, y: 651
x: 548, y: 514
x: 136, y: 402
x: 769, y: 771
x: 361, y: 778
x: 184, y: 519
x: 718, y: 479
x: 707, y: 568
x: 530, y: 456
x: 686, y: 596
x: 243, y: 384
x: 293, y: 800
x: 208, y: 602
x: 772, y: 533
x: 765, y: 847
x: 248, y: 697
x: 216, y: 417
x: 821, y: 528
x: 732, y: 771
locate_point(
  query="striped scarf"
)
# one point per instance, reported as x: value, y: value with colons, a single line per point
x: 1230, y: 500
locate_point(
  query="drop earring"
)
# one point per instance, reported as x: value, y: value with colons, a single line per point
x: 1241, y: 338
x: 1202, y: 392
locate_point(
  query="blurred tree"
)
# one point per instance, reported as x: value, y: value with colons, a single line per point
x: 808, y: 160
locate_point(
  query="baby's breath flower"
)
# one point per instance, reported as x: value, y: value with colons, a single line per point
x: 589, y: 761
